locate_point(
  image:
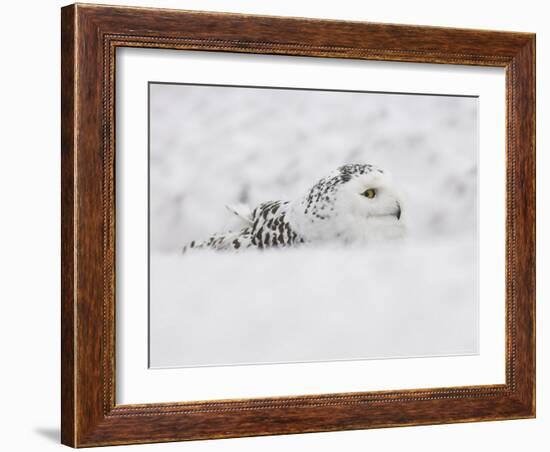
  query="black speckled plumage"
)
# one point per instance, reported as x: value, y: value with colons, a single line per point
x: 268, y: 228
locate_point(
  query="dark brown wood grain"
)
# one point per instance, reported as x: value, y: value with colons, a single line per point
x: 67, y: 225
x: 90, y: 35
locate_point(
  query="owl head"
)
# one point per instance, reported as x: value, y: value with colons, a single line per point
x: 357, y: 202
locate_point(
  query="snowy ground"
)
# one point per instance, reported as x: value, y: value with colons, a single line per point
x: 212, y: 146
x: 313, y: 305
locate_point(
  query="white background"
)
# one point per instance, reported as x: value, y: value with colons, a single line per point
x: 30, y: 226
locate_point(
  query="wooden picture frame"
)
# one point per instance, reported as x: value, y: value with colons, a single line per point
x: 90, y: 35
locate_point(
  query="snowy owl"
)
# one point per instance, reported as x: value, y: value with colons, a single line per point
x: 355, y: 203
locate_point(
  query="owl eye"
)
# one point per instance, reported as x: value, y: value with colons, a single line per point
x: 369, y: 193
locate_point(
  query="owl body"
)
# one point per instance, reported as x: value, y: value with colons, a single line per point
x: 355, y: 203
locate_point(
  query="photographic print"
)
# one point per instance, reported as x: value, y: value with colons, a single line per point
x: 297, y: 225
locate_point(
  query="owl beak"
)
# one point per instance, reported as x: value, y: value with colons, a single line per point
x: 398, y: 213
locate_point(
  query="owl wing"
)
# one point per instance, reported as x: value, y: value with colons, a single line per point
x: 266, y: 226
x: 270, y: 226
x: 234, y: 241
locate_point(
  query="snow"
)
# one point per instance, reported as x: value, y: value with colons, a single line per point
x: 213, y: 146
x: 391, y: 300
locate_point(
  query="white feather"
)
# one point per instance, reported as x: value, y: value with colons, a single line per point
x: 241, y: 212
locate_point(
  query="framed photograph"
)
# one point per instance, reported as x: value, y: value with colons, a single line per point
x: 281, y: 225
